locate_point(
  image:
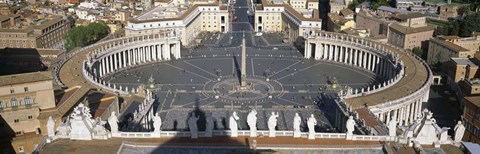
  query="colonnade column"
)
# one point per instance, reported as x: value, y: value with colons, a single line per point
x: 388, y: 116
x: 158, y: 49
x: 154, y: 52
x: 402, y: 113
x: 125, y: 58
x: 324, y: 50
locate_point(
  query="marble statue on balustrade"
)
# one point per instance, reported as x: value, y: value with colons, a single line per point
x: 459, y: 131
x: 392, y: 127
x: 113, y: 122
x: 50, y: 127
x: 311, y: 123
x: 252, y: 123
x: 233, y: 123
x: 192, y: 124
x: 350, y: 125
x: 209, y: 125
x: 157, y: 124
x: 297, y: 120
x: 272, y: 123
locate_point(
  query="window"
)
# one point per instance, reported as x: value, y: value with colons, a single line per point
x: 16, y: 120
x: 13, y: 101
x: 12, y: 91
x: 26, y: 89
x: 30, y: 117
x: 1, y: 105
x: 28, y: 101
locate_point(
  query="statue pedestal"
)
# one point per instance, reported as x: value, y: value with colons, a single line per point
x: 297, y: 134
x: 253, y: 133
x: 349, y: 136
x: 156, y: 134
x: 311, y: 136
x: 271, y: 133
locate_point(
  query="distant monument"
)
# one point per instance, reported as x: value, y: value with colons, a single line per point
x: 113, y: 122
x: 297, y: 120
x: 392, y: 127
x: 459, y: 131
x: 234, y: 124
x: 243, y: 82
x: 157, y: 124
x: 311, y: 127
x: 192, y: 124
x: 272, y: 123
x: 252, y: 123
x: 209, y: 125
x: 50, y: 127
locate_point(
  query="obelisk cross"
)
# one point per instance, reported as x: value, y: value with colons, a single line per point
x: 243, y: 83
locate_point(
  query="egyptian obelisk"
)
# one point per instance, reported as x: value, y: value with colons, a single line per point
x: 243, y: 81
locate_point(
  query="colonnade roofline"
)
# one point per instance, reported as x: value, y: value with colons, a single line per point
x: 414, y: 84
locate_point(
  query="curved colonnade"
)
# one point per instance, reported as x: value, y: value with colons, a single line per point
x: 119, y: 54
x: 407, y: 78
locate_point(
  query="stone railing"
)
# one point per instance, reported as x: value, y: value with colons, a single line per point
x: 247, y: 134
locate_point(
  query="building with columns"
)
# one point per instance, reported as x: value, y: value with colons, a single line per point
x: 294, y: 22
x: 406, y: 85
x: 186, y: 22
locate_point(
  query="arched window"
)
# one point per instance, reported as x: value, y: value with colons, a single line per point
x: 13, y: 101
x: 28, y: 101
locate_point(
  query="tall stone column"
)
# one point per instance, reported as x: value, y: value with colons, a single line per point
x: 307, y: 50
x: 407, y: 115
x: 365, y: 60
x: 419, y: 106
x: 402, y: 114
x: 412, y: 111
x: 154, y: 52
x: 324, y: 50
x: 381, y: 117
x: 357, y: 58
x: 330, y: 52
x: 168, y: 51
x: 388, y: 116
x: 395, y: 114
x: 318, y: 51
x: 125, y: 58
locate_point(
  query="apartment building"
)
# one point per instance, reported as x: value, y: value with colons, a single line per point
x: 471, y: 119
x: 187, y: 24
x: 270, y: 17
x: 374, y: 23
x: 442, y: 48
x: 22, y: 97
x: 47, y: 33
x: 409, y: 31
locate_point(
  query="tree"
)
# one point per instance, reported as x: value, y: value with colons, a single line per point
x: 463, y: 11
x: 419, y: 52
x: 470, y: 24
x: 85, y: 35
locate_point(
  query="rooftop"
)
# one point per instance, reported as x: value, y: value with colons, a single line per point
x: 113, y: 145
x: 464, y: 61
x: 25, y: 78
x: 405, y: 16
x: 449, y: 45
x: 410, y: 30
